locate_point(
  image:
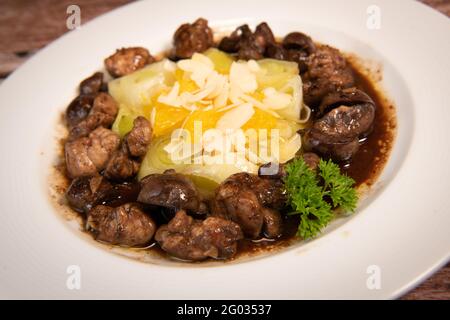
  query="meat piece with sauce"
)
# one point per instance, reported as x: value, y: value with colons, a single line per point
x: 126, y: 161
x: 270, y: 192
x: 191, y: 38
x: 138, y: 139
x: 251, y: 201
x: 189, y: 239
x: 127, y: 60
x: 328, y: 72
x: 127, y: 225
x: 89, y: 155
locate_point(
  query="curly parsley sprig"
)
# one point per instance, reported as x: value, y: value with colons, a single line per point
x: 307, y: 192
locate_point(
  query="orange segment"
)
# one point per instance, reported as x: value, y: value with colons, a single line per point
x: 167, y: 118
x: 260, y: 120
x: 186, y: 84
x: 207, y: 119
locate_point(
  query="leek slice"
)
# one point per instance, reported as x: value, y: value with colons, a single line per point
x: 124, y: 121
x: 221, y: 60
x: 138, y: 88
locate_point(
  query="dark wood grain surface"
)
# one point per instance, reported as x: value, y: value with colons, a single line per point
x: 27, y: 25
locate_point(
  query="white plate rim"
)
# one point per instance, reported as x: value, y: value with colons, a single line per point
x: 390, y: 293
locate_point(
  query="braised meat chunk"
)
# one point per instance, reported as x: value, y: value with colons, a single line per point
x: 87, y: 156
x: 138, y: 139
x: 103, y: 142
x: 251, y: 201
x: 270, y: 192
x: 327, y: 71
x: 127, y: 225
x: 127, y: 60
x: 122, y: 166
x: 190, y: 239
x: 191, y: 38
x: 126, y: 161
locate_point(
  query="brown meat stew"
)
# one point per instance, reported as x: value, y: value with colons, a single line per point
x: 351, y: 123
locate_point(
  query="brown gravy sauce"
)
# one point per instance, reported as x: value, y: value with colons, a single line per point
x: 364, y: 168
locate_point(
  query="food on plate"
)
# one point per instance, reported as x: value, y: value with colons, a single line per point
x: 218, y: 148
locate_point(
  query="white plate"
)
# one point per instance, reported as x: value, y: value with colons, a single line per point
x: 402, y: 229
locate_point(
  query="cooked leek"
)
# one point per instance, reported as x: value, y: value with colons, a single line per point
x: 221, y: 60
x: 138, y: 88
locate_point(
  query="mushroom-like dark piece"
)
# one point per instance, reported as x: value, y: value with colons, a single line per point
x: 92, y: 85
x: 102, y: 114
x: 247, y: 44
x: 192, y: 38
x: 338, y: 151
x: 84, y: 193
x: 264, y: 35
x: 171, y: 190
x: 79, y: 109
x: 81, y: 106
x: 230, y: 44
x: 347, y: 116
x: 127, y: 225
x: 347, y: 97
x: 299, y: 41
x: 249, y: 47
x: 297, y: 47
x: 298, y: 56
x: 276, y: 51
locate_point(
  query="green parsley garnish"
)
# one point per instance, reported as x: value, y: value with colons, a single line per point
x: 338, y: 186
x: 308, y: 191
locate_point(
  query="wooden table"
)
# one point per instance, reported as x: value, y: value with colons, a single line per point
x: 27, y: 25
